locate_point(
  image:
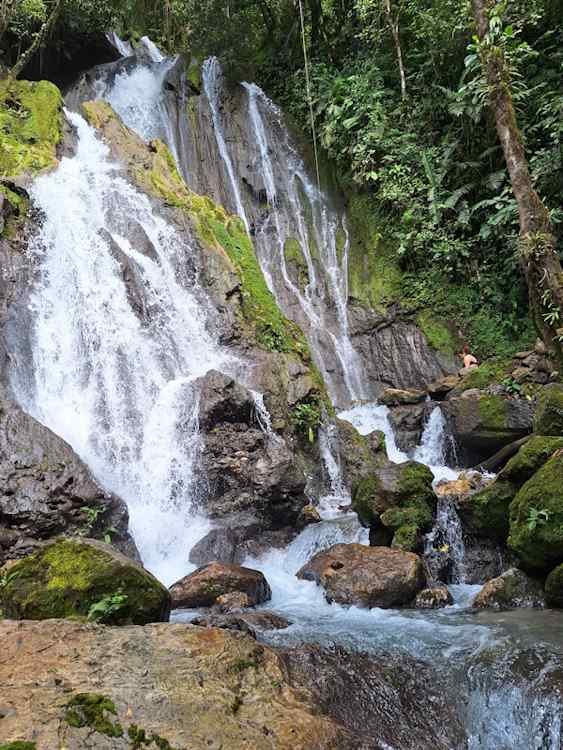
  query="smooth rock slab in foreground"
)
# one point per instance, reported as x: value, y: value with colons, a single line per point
x: 79, y: 687
x: 366, y: 576
x: 205, y: 585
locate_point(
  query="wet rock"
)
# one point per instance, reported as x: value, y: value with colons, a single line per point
x: 366, y: 576
x: 189, y: 687
x: 308, y: 515
x: 482, y: 423
x: 361, y: 455
x: 530, y: 458
x: 536, y: 518
x: 439, y: 389
x: 554, y: 587
x: 510, y: 590
x: 203, y: 587
x: 373, y: 694
x: 408, y: 424
x: 401, y: 397
x: 244, y: 469
x: 234, y: 601
x: 83, y: 578
x: 433, y: 598
x: 484, y: 559
x: 246, y: 622
x: 46, y: 490
x: 549, y: 413
x: 233, y: 545
x: 399, y: 497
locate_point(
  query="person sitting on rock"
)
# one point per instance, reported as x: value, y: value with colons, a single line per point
x: 469, y: 361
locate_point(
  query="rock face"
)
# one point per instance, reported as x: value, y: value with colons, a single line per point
x: 246, y: 471
x: 510, y: 590
x: 366, y: 576
x: 483, y: 423
x: 398, y: 497
x: 203, y: 587
x: 46, y: 490
x: 82, y: 578
x: 389, y: 701
x: 234, y: 544
x: 536, y: 518
x: 85, y: 686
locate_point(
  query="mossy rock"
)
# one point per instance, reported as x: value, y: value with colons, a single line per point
x: 399, y: 497
x: 531, y: 457
x: 548, y: 419
x: 82, y: 579
x: 296, y: 262
x: 492, y: 371
x: 30, y: 126
x: 438, y: 334
x: 486, y: 513
x: 554, y: 587
x: 19, y: 745
x: 539, y: 545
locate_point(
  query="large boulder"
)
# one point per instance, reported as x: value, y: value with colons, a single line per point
x: 46, y: 490
x: 398, y: 497
x: 205, y: 585
x: 82, y: 579
x: 361, y: 455
x: 247, y: 470
x: 366, y: 576
x: 510, y: 590
x: 531, y: 457
x: 78, y: 686
x: 548, y: 419
x: 408, y: 424
x: 482, y: 423
x: 234, y: 544
x: 536, y: 518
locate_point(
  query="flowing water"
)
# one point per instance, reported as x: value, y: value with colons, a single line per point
x: 116, y: 375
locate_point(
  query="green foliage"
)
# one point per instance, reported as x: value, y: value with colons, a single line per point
x: 105, y: 609
x: 537, y: 518
x: 307, y: 418
x: 19, y: 745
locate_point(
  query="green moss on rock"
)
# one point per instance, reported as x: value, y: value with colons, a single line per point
x: 493, y: 413
x: 30, y: 126
x: 554, y: 587
x: 19, y: 745
x: 437, y: 334
x: 407, y: 538
x: 91, y: 710
x: 296, y: 262
x: 539, y: 545
x: 66, y: 578
x: 549, y: 413
x: 486, y: 513
x: 531, y: 457
x: 492, y: 371
x: 373, y: 273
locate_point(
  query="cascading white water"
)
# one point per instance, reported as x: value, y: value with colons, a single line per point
x: 116, y: 385
x: 211, y: 76
x: 124, y: 48
x: 317, y: 237
x: 432, y: 450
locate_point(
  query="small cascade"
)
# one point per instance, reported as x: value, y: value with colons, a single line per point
x: 444, y: 549
x: 112, y: 372
x: 212, y: 77
x: 338, y: 494
x: 124, y: 48
x: 264, y: 417
x: 152, y: 50
x: 368, y: 418
x: 432, y: 450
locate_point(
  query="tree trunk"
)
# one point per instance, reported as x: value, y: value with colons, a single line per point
x: 538, y: 253
x: 38, y: 40
x: 393, y: 24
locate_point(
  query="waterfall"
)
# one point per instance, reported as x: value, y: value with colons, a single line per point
x: 124, y: 48
x: 113, y: 368
x: 432, y: 450
x: 445, y: 541
x: 152, y: 50
x: 212, y: 75
x: 368, y: 418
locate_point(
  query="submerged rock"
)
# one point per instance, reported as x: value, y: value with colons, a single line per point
x: 366, y: 576
x: 82, y: 579
x: 390, y: 701
x: 205, y: 585
x: 510, y: 590
x: 168, y: 686
x: 433, y: 598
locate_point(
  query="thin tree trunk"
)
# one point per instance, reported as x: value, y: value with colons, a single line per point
x: 38, y: 40
x: 538, y: 252
x: 393, y: 24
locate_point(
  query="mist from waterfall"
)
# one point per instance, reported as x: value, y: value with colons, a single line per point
x: 111, y: 373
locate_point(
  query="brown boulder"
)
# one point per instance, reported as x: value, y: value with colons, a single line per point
x: 76, y: 686
x: 366, y: 576
x: 510, y: 590
x: 433, y: 598
x: 205, y: 585
x: 399, y: 396
x: 246, y: 622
